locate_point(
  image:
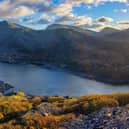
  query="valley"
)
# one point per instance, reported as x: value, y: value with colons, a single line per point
x: 102, y: 57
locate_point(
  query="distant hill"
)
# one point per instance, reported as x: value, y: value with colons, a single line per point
x: 109, y: 30
x: 79, y: 29
x: 102, y: 58
x: 57, y: 26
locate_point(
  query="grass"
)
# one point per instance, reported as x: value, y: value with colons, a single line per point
x: 19, y: 111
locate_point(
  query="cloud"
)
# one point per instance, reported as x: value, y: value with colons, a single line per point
x: 48, y: 13
x: 99, y: 23
x: 96, y: 26
x: 20, y: 8
x: 17, y: 12
x: 74, y: 20
x: 45, y: 19
x: 123, y: 22
x: 124, y: 10
x: 41, y: 21
x: 76, y: 2
x: 62, y: 9
x: 66, y: 18
x: 104, y: 19
x: 81, y: 20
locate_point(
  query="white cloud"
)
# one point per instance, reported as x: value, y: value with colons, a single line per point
x: 47, y: 17
x: 81, y: 20
x: 19, y: 8
x: 124, y: 10
x: 16, y: 12
x: 62, y: 9
x: 74, y: 20
x: 62, y: 13
x: 122, y: 24
x: 88, y: 7
x: 76, y: 2
x: 99, y: 23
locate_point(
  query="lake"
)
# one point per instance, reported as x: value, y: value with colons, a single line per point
x: 37, y: 80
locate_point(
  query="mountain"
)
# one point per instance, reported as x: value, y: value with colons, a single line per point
x: 120, y: 35
x: 101, y: 58
x: 79, y: 29
x: 57, y: 26
x: 107, y: 31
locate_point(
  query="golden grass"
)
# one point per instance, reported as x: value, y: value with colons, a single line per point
x: 70, y: 106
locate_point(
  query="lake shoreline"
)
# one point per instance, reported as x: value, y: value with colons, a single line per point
x: 79, y: 74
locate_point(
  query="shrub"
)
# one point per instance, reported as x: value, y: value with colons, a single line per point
x: 36, y: 100
x: 98, y: 103
x: 122, y: 98
x: 21, y: 106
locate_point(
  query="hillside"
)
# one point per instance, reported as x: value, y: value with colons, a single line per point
x: 101, y: 58
x: 56, y: 112
x: 120, y: 35
x: 78, y: 29
x: 108, y: 30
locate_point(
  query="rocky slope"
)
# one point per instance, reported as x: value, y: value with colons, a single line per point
x: 106, y: 118
x: 104, y: 58
x: 20, y: 111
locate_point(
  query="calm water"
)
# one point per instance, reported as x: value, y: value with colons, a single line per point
x: 40, y: 81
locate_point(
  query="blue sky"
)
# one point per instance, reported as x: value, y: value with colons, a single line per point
x: 91, y: 14
x: 107, y: 9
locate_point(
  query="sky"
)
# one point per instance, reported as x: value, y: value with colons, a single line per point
x: 88, y: 14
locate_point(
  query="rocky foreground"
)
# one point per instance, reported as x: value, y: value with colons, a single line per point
x: 20, y: 111
x: 106, y: 118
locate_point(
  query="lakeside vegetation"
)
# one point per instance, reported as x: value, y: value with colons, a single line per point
x: 48, y: 112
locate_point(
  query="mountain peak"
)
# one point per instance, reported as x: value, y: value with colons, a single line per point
x: 109, y: 30
x: 9, y: 24
x: 57, y: 26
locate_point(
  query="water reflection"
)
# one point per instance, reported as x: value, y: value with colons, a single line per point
x: 40, y: 81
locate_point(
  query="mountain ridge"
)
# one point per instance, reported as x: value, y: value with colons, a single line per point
x: 97, y: 57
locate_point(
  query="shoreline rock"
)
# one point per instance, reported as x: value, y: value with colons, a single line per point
x: 6, y: 89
